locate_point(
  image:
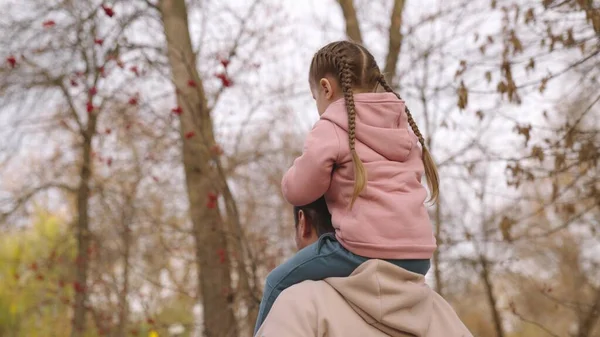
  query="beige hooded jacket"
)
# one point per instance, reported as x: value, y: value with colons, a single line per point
x: 378, y: 299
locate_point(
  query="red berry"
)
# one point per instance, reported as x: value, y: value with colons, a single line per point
x: 177, y: 110
x: 89, y: 107
x: 108, y: 11
x: 49, y: 23
x: 12, y: 61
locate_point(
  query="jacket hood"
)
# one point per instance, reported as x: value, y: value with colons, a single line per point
x: 397, y: 302
x: 381, y: 123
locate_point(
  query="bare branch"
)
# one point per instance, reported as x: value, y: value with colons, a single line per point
x: 395, y: 40
x: 24, y: 198
x: 351, y: 19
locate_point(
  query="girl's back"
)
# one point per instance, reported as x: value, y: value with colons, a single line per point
x: 388, y: 219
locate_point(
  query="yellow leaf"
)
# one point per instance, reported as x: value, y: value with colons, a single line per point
x: 153, y: 333
x: 13, y: 309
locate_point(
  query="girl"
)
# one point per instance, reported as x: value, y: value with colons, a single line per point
x: 363, y: 157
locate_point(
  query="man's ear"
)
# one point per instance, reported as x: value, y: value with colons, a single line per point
x: 327, y: 88
x: 305, y: 229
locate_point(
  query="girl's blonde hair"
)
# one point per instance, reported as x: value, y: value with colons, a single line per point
x: 355, y: 68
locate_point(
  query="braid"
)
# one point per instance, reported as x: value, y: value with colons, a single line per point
x: 346, y: 79
x: 430, y: 168
x: 345, y: 76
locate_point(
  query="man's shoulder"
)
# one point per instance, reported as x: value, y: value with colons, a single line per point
x: 307, y: 288
x: 315, y: 292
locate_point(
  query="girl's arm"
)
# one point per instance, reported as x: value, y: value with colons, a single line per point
x: 309, y: 178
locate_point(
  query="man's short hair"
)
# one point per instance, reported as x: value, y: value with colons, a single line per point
x: 317, y: 214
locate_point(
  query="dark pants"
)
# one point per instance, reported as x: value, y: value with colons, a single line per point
x: 322, y: 259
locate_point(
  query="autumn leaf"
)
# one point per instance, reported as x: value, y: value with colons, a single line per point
x: 570, y: 40
x: 587, y: 152
x: 525, y: 131
x: 506, y: 225
x: 569, y: 208
x: 501, y: 87
x: 462, y: 68
x: 543, y: 84
x: 529, y: 16
x: 537, y: 152
x: 479, y: 114
x: 463, y: 95
x: 530, y: 65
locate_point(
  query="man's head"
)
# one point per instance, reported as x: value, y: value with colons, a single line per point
x: 311, y: 221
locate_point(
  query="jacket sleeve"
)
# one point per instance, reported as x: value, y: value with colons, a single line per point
x: 292, y: 315
x: 310, y: 175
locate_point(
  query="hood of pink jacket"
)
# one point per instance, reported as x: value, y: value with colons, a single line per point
x: 379, y: 299
x: 381, y: 123
x: 397, y: 302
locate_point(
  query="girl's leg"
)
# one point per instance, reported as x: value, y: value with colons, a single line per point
x: 324, y: 258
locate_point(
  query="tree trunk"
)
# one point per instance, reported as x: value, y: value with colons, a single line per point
x: 589, y: 321
x: 242, y: 254
x: 487, y: 282
x: 439, y: 284
x: 83, y: 234
x: 352, y: 26
x: 395, y: 41
x: 196, y: 129
x: 123, y: 303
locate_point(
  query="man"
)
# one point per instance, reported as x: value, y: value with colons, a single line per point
x: 378, y: 299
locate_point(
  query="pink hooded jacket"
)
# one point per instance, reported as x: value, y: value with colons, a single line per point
x: 388, y: 219
x: 377, y: 300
